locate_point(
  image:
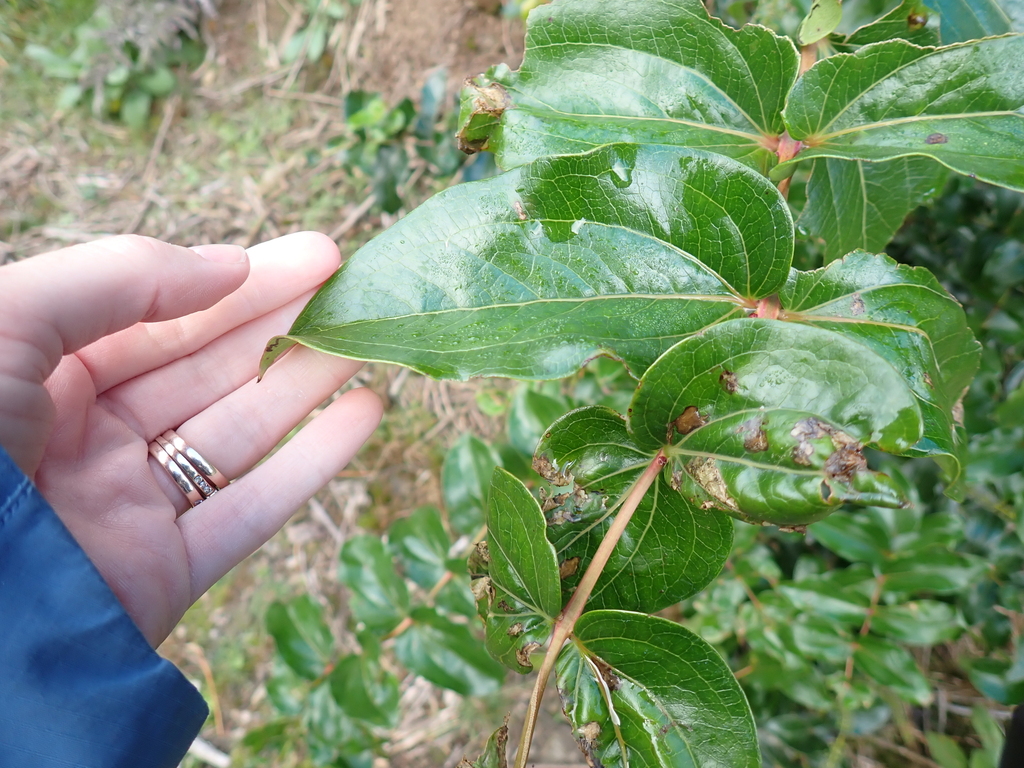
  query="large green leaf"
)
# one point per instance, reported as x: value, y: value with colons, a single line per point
x: 906, y: 317
x: 888, y: 664
x: 301, y: 636
x: 959, y: 105
x: 447, y: 655
x: 971, y: 19
x: 379, y: 597
x: 767, y: 420
x: 657, y: 72
x: 622, y: 251
x: 465, y: 480
x: 522, y: 592
x: 855, y: 204
x: 364, y: 690
x: 645, y: 692
x: 670, y: 549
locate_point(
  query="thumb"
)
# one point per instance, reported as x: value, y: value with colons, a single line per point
x: 57, y: 303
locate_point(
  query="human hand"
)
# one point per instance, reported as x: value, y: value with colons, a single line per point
x: 106, y: 345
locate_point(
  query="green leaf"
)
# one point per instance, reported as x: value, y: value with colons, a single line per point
x: 622, y: 251
x: 379, y: 598
x: 658, y: 72
x: 774, y: 417
x: 643, y: 691
x: 906, y: 317
x: 958, y: 105
x: 988, y: 729
x: 447, y: 655
x: 854, y: 204
x: 300, y: 635
x: 821, y: 21
x: 421, y: 545
x: 669, y: 550
x: 135, y: 108
x: 970, y: 19
x: 465, y: 482
x: 934, y: 569
x: 945, y: 751
x: 814, y: 597
x: 889, y: 665
x: 996, y: 680
x: 817, y: 637
x: 159, y: 82
x: 921, y: 622
x: 530, y: 414
x: 523, y: 592
x: 907, y: 21
x: 857, y: 538
x: 365, y: 691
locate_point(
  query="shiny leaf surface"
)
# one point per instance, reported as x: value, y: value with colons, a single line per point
x: 959, y: 105
x: 621, y: 251
x: 645, y: 692
x: 657, y: 72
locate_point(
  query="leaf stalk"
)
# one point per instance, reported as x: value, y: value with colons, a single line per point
x: 574, y: 609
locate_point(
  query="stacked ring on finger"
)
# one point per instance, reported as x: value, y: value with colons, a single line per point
x: 196, y: 477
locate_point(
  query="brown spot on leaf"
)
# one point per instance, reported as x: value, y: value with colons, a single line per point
x: 709, y: 477
x: 755, y: 439
x: 520, y: 211
x: 958, y: 409
x: 523, y: 654
x: 928, y: 380
x: 590, y: 732
x: 490, y: 100
x: 481, y: 589
x: 916, y: 21
x: 793, y: 528
x: 689, y: 420
x: 676, y: 481
x: 847, y: 459
x: 483, y: 552
x: 502, y: 605
x: 515, y: 630
x: 857, y: 305
x: 607, y: 673
x: 500, y: 750
x: 568, y: 567
x: 550, y: 503
x: 728, y: 381
x: 804, y: 431
x: 542, y: 466
x: 936, y: 138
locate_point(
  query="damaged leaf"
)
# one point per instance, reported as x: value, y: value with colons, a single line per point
x: 906, y: 317
x: 783, y: 443
x: 669, y: 550
x: 524, y: 592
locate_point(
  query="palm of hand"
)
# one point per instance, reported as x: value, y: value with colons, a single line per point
x: 84, y: 438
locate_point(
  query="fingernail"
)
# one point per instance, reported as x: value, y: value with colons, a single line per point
x: 223, y: 254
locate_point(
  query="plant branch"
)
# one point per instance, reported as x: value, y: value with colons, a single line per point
x: 571, y: 613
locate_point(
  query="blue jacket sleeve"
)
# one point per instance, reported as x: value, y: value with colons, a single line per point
x: 79, y: 684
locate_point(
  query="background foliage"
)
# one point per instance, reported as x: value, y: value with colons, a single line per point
x: 937, y: 657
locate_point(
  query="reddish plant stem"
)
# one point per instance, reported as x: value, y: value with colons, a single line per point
x: 788, y: 149
x: 768, y: 307
x: 571, y: 613
x: 808, y: 55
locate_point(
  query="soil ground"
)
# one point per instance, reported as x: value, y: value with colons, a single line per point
x: 229, y: 161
